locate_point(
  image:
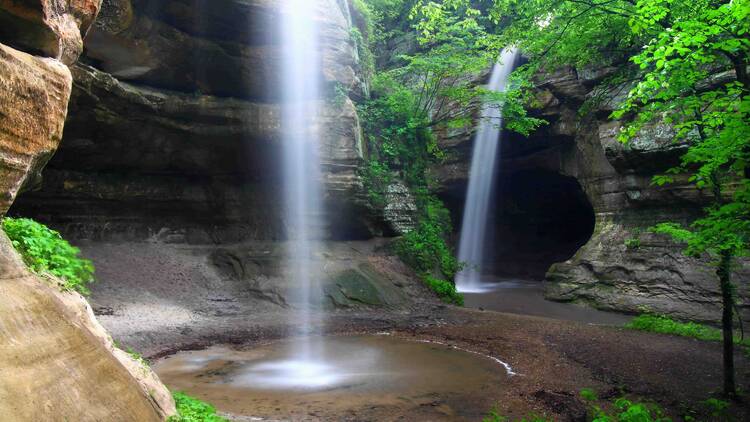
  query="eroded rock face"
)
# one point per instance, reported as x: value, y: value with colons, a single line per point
x: 57, y: 362
x: 168, y: 141
x: 227, y: 48
x: 621, y: 267
x: 34, y: 96
x: 52, y: 28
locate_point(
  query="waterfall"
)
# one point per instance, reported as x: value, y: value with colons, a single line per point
x: 301, y: 162
x: 481, y: 180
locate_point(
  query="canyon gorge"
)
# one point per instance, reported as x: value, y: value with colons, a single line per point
x: 148, y: 133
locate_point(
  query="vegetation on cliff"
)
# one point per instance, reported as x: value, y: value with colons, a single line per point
x: 190, y: 409
x: 684, y: 65
x: 428, y: 88
x: 45, y: 251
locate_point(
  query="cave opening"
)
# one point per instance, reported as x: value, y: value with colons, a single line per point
x: 538, y: 217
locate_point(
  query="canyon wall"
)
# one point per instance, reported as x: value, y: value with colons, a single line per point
x: 173, y: 136
x: 612, y: 261
x: 173, y: 132
x: 56, y: 361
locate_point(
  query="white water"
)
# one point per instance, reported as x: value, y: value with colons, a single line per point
x: 302, y: 176
x: 481, y: 182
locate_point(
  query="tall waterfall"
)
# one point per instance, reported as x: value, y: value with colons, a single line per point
x: 481, y: 181
x: 301, y: 162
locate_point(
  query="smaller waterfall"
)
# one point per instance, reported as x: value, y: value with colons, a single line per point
x: 481, y: 180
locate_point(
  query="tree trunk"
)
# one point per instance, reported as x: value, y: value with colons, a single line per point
x: 724, y: 272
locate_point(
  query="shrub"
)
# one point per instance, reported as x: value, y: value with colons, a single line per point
x: 623, y: 410
x: 190, y: 409
x: 445, y: 290
x: 45, y: 251
x: 375, y: 179
x: 426, y: 250
x: 664, y: 325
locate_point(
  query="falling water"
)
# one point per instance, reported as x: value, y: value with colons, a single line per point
x: 481, y: 179
x: 302, y: 177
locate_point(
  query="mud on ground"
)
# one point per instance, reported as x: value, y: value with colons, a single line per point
x: 159, y: 299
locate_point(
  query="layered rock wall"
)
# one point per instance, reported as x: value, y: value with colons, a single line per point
x: 56, y: 361
x: 173, y: 131
x: 621, y: 267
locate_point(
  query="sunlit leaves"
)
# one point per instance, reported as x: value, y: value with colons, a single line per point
x: 45, y: 251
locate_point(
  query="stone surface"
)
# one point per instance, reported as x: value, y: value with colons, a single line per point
x: 57, y: 362
x: 52, y: 28
x: 220, y: 47
x: 153, y: 295
x: 156, y: 148
x: 400, y: 210
x: 34, y: 96
x: 616, y: 180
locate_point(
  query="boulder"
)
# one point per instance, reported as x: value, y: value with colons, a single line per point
x: 34, y: 96
x: 57, y: 362
x: 51, y: 28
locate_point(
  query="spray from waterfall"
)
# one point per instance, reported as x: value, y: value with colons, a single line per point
x: 474, y: 227
x: 302, y: 175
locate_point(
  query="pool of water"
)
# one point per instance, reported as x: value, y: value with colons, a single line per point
x: 357, y: 378
x: 527, y: 298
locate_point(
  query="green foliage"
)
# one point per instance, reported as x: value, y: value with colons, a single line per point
x: 633, y: 243
x: 366, y: 58
x: 661, y: 324
x: 401, y: 144
x: 717, y: 408
x: 589, y: 395
x: 397, y: 138
x: 426, y: 250
x: 190, y: 409
x: 622, y: 410
x: 45, y: 251
x: 389, y: 22
x: 138, y: 357
x: 445, y: 290
x: 376, y: 177
x: 338, y: 94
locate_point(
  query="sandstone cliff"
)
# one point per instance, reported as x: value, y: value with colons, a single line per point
x: 173, y: 131
x: 592, y: 223
x: 56, y: 361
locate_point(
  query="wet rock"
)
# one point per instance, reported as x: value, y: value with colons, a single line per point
x: 225, y: 48
x: 52, y: 28
x: 352, y: 286
x: 172, y: 137
x: 400, y: 210
x: 617, y: 182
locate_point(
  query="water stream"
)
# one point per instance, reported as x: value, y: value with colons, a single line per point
x: 481, y: 180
